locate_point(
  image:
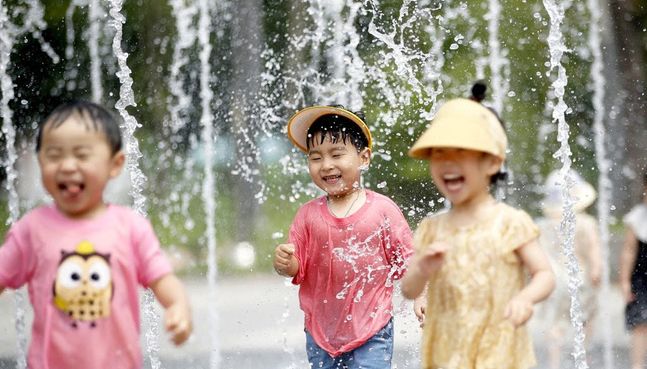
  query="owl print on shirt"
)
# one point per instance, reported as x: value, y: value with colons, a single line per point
x: 83, y: 287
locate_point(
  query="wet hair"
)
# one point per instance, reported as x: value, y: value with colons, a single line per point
x: 338, y: 129
x: 478, y: 94
x: 92, y: 115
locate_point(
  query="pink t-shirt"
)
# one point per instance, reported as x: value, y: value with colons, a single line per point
x: 346, y: 269
x: 83, y: 278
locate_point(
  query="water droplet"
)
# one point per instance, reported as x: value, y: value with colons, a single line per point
x: 189, y: 224
x: 381, y: 184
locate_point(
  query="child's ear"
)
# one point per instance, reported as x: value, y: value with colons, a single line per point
x: 494, y: 164
x: 365, y: 156
x: 117, y: 163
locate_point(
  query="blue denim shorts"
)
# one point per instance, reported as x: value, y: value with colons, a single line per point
x: 376, y: 353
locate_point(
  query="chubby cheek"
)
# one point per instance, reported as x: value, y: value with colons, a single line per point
x: 435, y: 176
x: 312, y: 170
x: 47, y: 177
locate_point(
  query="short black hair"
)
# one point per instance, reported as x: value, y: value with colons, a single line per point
x: 91, y: 114
x: 337, y: 128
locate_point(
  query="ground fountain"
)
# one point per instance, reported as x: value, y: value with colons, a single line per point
x: 394, y: 62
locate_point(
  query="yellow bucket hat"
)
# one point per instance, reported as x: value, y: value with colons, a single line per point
x: 465, y: 124
x: 301, y: 121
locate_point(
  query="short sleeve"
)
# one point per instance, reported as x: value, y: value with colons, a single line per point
x: 17, y: 259
x: 636, y: 219
x: 399, y: 246
x: 152, y: 263
x: 518, y: 230
x: 297, y: 237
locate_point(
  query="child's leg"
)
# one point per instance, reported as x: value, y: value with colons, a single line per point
x: 376, y: 353
x: 638, y: 346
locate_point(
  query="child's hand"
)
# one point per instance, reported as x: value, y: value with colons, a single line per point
x: 518, y: 310
x: 177, y: 321
x: 284, y: 259
x: 419, y: 305
x: 432, y: 258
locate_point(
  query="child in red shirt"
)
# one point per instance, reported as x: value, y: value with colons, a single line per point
x: 345, y: 248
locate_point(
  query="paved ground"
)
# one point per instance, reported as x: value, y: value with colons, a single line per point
x: 259, y: 325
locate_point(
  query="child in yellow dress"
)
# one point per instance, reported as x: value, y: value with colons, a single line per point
x: 472, y: 258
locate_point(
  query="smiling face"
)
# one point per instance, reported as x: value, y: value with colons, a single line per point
x: 76, y: 163
x: 335, y: 166
x: 462, y: 176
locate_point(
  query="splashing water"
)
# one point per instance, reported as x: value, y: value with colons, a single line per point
x: 604, y: 166
x: 126, y: 99
x: 96, y: 11
x: 180, y: 100
x: 208, y: 186
x: 70, y: 68
x: 137, y: 177
x: 497, y: 61
x: 339, y: 70
x: 33, y: 23
x: 7, y: 37
x: 567, y: 226
x: 93, y: 36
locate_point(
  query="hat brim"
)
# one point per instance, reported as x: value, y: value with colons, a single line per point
x: 301, y: 121
x: 584, y: 195
x: 463, y: 124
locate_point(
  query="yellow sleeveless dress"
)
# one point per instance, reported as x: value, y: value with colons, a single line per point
x: 464, y: 324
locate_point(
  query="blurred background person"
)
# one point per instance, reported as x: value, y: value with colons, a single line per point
x: 554, y: 313
x: 633, y: 278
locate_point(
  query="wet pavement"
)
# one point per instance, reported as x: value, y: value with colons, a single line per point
x: 259, y: 325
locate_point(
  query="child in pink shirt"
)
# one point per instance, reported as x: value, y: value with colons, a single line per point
x: 345, y: 248
x: 83, y: 259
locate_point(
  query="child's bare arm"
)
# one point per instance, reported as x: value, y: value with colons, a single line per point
x: 627, y: 261
x: 177, y: 316
x: 285, y: 263
x: 420, y: 268
x: 542, y: 283
x: 595, y: 258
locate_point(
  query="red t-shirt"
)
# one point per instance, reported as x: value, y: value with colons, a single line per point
x: 347, y: 267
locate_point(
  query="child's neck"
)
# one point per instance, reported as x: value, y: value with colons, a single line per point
x: 347, y: 204
x: 85, y: 215
x: 474, y: 210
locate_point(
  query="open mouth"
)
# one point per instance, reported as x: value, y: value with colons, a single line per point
x: 71, y: 188
x: 453, y: 182
x: 332, y: 179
